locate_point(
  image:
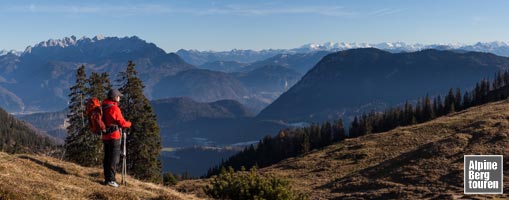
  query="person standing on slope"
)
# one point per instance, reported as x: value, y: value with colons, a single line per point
x: 113, y: 119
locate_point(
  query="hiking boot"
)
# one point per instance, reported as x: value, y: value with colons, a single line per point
x: 113, y: 184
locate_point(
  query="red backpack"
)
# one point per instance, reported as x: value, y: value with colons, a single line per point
x: 94, y: 115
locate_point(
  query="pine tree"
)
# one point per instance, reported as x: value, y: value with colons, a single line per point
x: 440, y: 107
x: 338, y: 131
x: 457, y: 100
x: 77, y: 132
x: 98, y: 86
x: 505, y: 78
x: 305, y: 145
x: 315, y: 136
x: 409, y: 113
x: 326, y: 134
x: 466, y: 100
x: 418, y: 111
x: 144, y: 140
x: 353, y: 130
x: 427, y: 109
x: 477, y: 96
x: 449, y: 100
x: 435, y: 107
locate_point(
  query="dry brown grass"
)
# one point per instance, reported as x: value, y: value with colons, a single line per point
x: 420, y: 161
x: 40, y: 177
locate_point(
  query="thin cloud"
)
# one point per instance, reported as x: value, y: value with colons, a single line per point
x: 88, y: 9
x: 158, y: 9
x: 386, y: 11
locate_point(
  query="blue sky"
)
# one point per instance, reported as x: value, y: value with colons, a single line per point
x: 225, y: 25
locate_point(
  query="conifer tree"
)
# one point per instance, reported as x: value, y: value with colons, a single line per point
x: 477, y: 96
x: 305, y: 146
x: 435, y: 107
x: 505, y: 78
x: 409, y: 113
x: 457, y: 100
x: 466, y: 100
x: 98, y: 86
x: 144, y: 140
x: 326, y: 134
x: 427, y: 109
x: 418, y: 111
x: 449, y: 100
x: 77, y: 132
x: 353, y: 130
x: 440, y: 106
x: 315, y: 136
x: 338, y: 131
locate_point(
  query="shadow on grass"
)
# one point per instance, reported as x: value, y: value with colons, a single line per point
x: 47, y: 165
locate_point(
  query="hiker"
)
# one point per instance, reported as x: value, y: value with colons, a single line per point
x: 113, y: 120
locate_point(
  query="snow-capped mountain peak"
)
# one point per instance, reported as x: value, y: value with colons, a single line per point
x: 65, y: 42
x: 497, y: 47
x: 4, y: 52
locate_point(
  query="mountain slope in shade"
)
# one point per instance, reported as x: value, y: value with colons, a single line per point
x: 201, y: 85
x: 178, y: 110
x: 414, y: 162
x: 9, y: 100
x: 197, y: 58
x: 351, y: 82
x: 300, y: 62
x: 223, y: 66
x: 19, y: 137
x: 52, y: 123
x: 185, y: 123
x: 269, y: 79
x: 39, y: 177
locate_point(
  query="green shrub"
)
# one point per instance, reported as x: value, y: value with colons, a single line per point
x: 249, y: 185
x: 169, y: 179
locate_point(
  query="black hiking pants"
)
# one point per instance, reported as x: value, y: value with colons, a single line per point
x: 111, y: 159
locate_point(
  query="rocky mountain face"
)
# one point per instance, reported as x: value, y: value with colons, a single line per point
x: 47, y: 69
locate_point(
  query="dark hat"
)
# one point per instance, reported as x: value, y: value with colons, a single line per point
x: 114, y: 93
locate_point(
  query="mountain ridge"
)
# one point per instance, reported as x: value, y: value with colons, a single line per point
x: 370, y: 79
x: 199, y: 57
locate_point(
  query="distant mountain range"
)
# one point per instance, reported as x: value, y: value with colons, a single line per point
x: 197, y: 58
x: 48, y: 70
x: 352, y: 82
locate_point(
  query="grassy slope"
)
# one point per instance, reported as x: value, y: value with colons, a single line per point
x: 39, y: 177
x: 420, y: 161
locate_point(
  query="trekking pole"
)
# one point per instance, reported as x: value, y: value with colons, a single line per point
x: 124, y: 158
